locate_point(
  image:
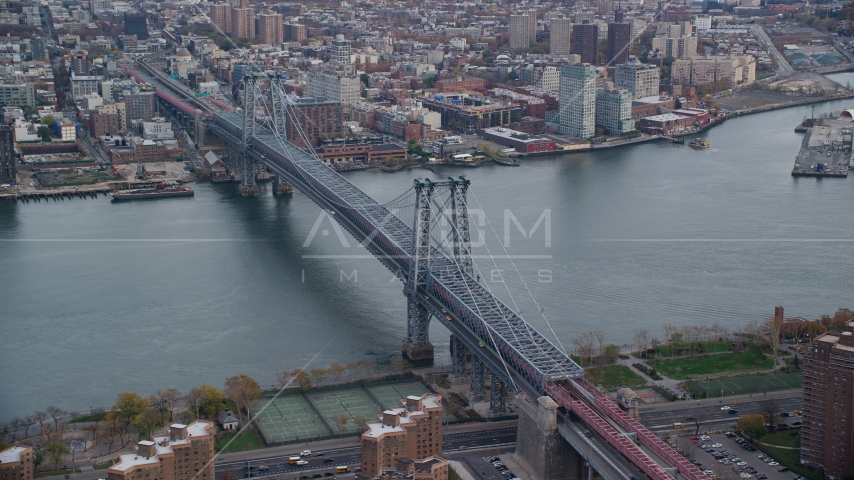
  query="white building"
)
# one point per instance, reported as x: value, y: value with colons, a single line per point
x: 83, y: 85
x: 157, y: 129
x: 26, y: 131
x: 458, y: 43
x: 577, y: 100
x: 337, y: 85
x: 638, y: 78
x: 702, y: 22
x: 209, y: 87
x: 340, y: 51
x: 65, y: 129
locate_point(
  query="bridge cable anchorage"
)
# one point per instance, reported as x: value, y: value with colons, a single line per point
x: 507, y: 254
x: 489, y: 330
x: 527, y: 326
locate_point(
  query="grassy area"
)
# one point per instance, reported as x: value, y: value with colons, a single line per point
x: 248, y: 440
x: 453, y: 475
x: 613, y: 376
x: 679, y: 349
x: 680, y: 368
x: 103, y: 466
x: 785, y: 456
x: 761, y: 75
x: 74, y: 178
x: 783, y: 438
x: 53, y: 473
x: 744, y: 384
x: 97, y: 417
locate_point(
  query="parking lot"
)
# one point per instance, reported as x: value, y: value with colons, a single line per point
x: 722, y: 455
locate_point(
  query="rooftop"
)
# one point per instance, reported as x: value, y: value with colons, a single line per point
x: 133, y: 460
x: 12, y: 454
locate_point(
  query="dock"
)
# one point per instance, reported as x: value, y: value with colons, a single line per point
x: 825, y: 151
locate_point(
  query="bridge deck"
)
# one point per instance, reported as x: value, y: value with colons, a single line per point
x: 520, y: 345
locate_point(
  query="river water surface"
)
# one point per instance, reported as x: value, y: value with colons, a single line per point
x: 100, y: 298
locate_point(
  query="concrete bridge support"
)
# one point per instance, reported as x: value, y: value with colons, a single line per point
x: 540, y: 450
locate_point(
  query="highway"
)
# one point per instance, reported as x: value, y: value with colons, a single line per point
x: 712, y: 416
x: 279, y: 466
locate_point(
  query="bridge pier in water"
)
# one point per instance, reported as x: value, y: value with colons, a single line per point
x: 281, y: 187
x: 540, y: 449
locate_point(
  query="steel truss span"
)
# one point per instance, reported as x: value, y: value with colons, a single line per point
x: 521, y: 347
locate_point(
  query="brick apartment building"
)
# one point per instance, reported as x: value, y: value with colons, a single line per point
x: 827, y: 437
x: 147, y: 151
x: 450, y: 85
x: 184, y: 454
x: 318, y: 117
x: 360, y: 153
x: 16, y: 463
x: 413, y: 430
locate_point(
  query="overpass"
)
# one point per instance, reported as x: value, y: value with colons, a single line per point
x: 439, y: 283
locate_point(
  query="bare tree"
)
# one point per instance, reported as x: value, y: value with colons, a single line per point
x: 690, y: 450
x: 170, y: 398
x: 157, y: 403
x: 773, y: 330
x: 770, y: 409
x: 585, y: 345
x: 642, y: 340
x: 336, y: 371
x: 698, y: 420
x: 55, y: 413
x: 283, y: 378
x: 669, y: 331
x: 600, y: 345
x: 39, y: 417
x: 93, y: 428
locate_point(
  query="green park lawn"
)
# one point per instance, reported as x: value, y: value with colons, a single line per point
x: 680, y: 349
x: 680, y: 368
x: 786, y: 456
x: 782, y: 438
x: 248, y: 440
x: 613, y: 376
x: 96, y: 417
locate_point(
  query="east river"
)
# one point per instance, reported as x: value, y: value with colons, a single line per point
x: 98, y: 298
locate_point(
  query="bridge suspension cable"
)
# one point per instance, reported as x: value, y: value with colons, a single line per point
x: 507, y: 254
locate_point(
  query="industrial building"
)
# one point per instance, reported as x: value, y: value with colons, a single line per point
x: 520, y: 141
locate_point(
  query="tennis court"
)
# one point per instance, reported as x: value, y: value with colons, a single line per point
x: 353, y: 402
x: 288, y: 419
x: 744, y: 385
x: 391, y: 395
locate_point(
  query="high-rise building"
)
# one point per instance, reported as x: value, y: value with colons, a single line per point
x: 413, y: 430
x: 334, y: 83
x: 676, y: 47
x: 220, y: 15
x: 295, y: 32
x: 619, y: 42
x: 243, y: 21
x: 614, y: 111
x: 270, y: 29
x: 139, y: 106
x: 520, y: 30
x: 318, y: 118
x: 340, y: 51
x: 638, y: 78
x: 16, y: 463
x: 585, y: 41
x: 827, y: 436
x: 186, y: 452
x: 7, y: 174
x: 561, y: 31
x: 80, y: 62
x: 577, y: 100
x: 39, y: 48
x: 136, y: 23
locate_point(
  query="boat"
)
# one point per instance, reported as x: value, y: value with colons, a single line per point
x: 698, y: 143
x: 161, y: 190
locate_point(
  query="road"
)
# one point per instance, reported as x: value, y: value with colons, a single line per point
x: 712, y: 416
x: 350, y: 455
x: 784, y: 69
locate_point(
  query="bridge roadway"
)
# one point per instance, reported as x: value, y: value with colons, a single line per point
x: 527, y: 360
